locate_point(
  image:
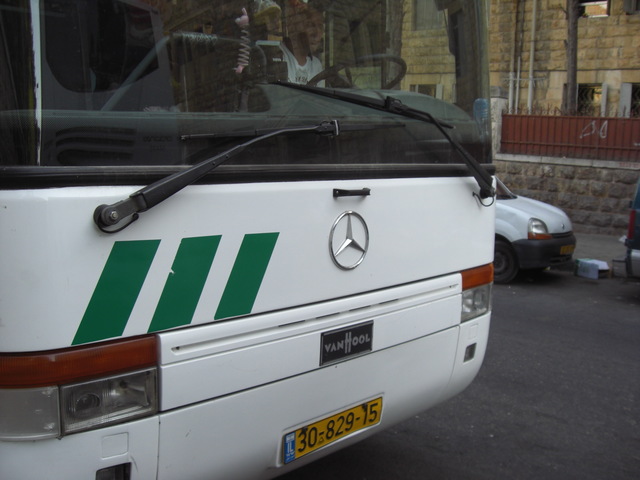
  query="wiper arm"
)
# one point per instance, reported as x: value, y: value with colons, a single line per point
x: 393, y: 105
x: 259, y: 132
x: 109, y: 218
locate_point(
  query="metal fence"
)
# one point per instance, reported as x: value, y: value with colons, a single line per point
x: 601, y: 138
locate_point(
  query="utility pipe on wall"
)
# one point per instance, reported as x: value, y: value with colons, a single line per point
x: 512, y: 59
x: 532, y: 50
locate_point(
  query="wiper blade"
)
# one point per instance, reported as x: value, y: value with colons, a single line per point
x: 393, y: 105
x: 110, y: 218
x: 370, y: 102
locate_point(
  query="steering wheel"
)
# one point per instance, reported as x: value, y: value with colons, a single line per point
x: 339, y: 81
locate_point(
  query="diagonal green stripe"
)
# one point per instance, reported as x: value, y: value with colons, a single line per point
x: 117, y: 290
x: 246, y: 276
x: 185, y: 282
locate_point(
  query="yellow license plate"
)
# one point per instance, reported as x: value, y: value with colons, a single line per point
x: 328, y: 430
x: 567, y: 249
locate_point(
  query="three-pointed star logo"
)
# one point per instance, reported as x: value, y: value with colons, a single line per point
x: 349, y: 241
x: 352, y: 249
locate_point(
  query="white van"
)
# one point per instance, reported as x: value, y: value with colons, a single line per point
x: 529, y: 235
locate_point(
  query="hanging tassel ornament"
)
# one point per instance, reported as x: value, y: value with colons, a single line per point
x: 245, y: 42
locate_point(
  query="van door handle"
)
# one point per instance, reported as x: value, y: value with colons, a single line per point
x: 362, y: 192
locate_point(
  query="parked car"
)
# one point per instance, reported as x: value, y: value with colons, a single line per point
x: 529, y: 235
x: 632, y: 241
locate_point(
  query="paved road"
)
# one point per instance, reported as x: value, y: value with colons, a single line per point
x: 558, y: 396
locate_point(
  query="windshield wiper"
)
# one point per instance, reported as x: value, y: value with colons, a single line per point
x: 393, y: 105
x: 259, y: 132
x: 109, y: 218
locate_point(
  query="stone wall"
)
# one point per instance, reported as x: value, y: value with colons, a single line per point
x: 595, y: 194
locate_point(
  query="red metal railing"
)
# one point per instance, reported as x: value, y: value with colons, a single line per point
x: 601, y: 138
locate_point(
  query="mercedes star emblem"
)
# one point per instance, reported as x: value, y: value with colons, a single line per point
x: 349, y: 240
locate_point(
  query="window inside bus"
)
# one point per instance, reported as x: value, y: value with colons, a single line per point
x: 127, y: 83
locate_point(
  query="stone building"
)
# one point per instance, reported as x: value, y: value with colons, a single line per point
x: 528, y: 60
x: 527, y: 53
x: 528, y: 73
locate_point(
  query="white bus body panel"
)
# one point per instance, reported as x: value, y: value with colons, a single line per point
x: 78, y: 457
x: 47, y: 282
x: 410, y: 377
x: 417, y: 360
x: 232, y: 360
x: 247, y: 381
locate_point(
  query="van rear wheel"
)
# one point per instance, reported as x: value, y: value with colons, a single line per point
x: 505, y: 262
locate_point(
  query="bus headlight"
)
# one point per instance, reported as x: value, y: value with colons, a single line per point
x: 475, y: 302
x: 52, y: 393
x: 107, y: 401
x: 49, y: 412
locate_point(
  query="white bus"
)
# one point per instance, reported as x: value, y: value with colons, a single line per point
x: 236, y: 236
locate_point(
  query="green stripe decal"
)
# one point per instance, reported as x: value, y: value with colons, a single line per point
x: 185, y: 282
x: 246, y: 276
x: 117, y: 290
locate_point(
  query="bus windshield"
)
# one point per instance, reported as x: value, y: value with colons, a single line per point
x: 141, y: 82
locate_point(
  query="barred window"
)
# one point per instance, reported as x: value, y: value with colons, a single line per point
x: 589, y: 99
